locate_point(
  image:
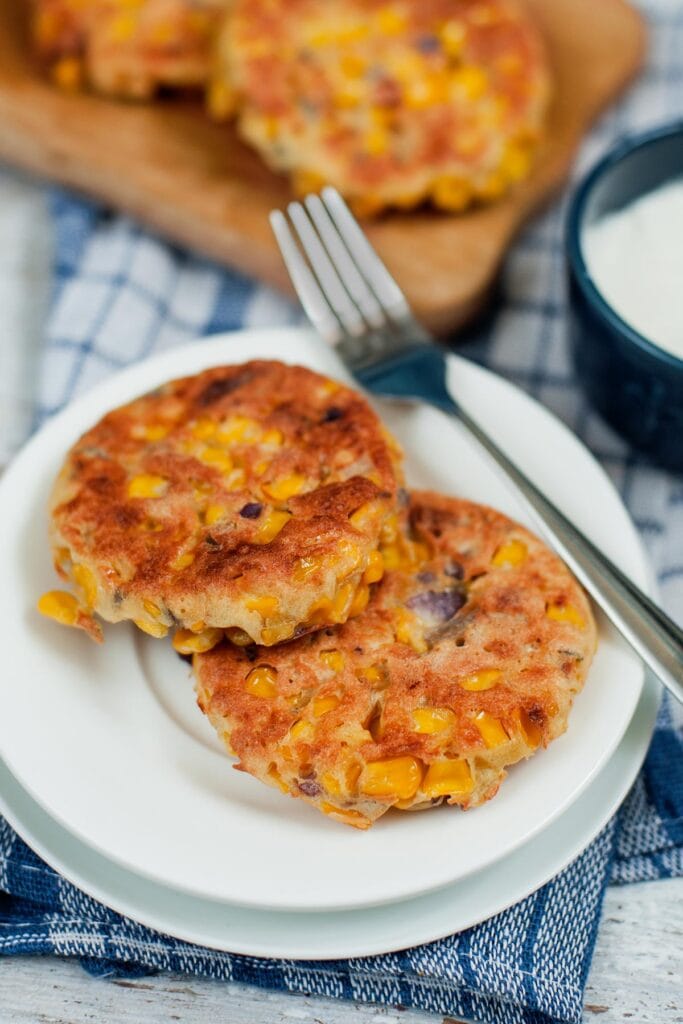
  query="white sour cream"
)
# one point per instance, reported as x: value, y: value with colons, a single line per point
x: 635, y: 257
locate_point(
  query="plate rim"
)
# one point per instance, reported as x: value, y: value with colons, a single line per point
x: 642, y: 724
x: 162, y: 363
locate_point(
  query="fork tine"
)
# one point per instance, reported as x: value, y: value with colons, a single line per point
x: 376, y: 274
x: 329, y: 280
x: 342, y: 259
x: 315, y: 305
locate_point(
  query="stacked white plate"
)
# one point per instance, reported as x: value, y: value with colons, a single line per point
x: 110, y: 772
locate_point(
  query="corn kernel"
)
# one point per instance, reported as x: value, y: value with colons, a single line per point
x: 397, y: 777
x: 429, y: 721
x: 492, y: 187
x: 162, y: 34
x: 510, y: 63
x: 320, y: 611
x: 376, y: 141
x: 276, y: 634
x: 331, y: 784
x: 482, y: 680
x: 204, y: 428
x: 516, y: 161
x: 236, y: 480
x: 392, y: 557
x: 272, y: 437
x: 346, y: 815
x: 286, y: 487
x: 147, y: 485
x: 512, y: 553
x: 531, y: 731
x: 261, y: 682
x: 452, y: 193
x: 390, y: 22
x: 490, y: 730
x: 419, y: 552
x: 155, y: 629
x: 60, y: 606
x: 472, y: 80
x: 238, y: 637
x: 68, y: 73
x: 372, y: 673
x: 152, y: 609
x: 265, y: 605
x: 351, y: 776
x: 150, y: 431
x: 408, y: 630
x: 275, y: 777
x: 375, y: 568
x: 214, y: 513
x: 86, y: 581
x: 301, y: 731
x: 453, y: 37
x: 565, y: 613
x: 426, y: 92
x: 341, y: 602
x: 217, y: 458
x: 334, y: 660
x: 365, y: 517
x: 367, y: 205
x: 187, y: 641
x: 360, y: 601
x: 352, y: 65
x: 451, y: 777
x: 304, y: 182
x: 321, y: 705
x: 150, y: 525
x: 270, y: 526
x: 198, y: 627
x: 122, y: 27
x: 62, y: 557
x: 305, y: 567
x: 390, y: 532
x: 182, y: 561
x: 238, y: 428
x: 221, y: 100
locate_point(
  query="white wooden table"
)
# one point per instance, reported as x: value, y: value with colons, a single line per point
x: 637, y: 972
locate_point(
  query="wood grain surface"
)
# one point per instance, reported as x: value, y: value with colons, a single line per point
x: 195, y: 183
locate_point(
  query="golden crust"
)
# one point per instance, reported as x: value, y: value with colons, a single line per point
x: 125, y: 49
x: 393, y: 103
x: 248, y: 497
x: 466, y: 660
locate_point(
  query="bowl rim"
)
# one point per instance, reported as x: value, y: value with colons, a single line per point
x: 622, y: 149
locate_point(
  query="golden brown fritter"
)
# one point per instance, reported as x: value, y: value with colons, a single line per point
x: 466, y: 660
x: 248, y: 498
x: 127, y: 48
x: 393, y: 102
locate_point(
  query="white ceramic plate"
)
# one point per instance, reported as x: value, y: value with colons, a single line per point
x: 108, y: 739
x: 353, y: 933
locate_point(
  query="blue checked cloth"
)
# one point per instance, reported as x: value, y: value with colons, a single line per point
x: 121, y: 295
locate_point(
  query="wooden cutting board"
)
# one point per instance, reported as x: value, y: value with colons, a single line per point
x: 195, y: 183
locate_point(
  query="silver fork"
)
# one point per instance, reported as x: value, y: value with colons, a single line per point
x: 355, y: 304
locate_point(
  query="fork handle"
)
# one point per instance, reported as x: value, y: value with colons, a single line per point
x: 655, y: 637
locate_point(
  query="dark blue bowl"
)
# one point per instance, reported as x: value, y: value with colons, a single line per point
x: 635, y: 385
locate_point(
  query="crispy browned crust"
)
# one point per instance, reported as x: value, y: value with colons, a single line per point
x: 272, y: 423
x: 127, y: 50
x: 503, y: 624
x: 392, y: 103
